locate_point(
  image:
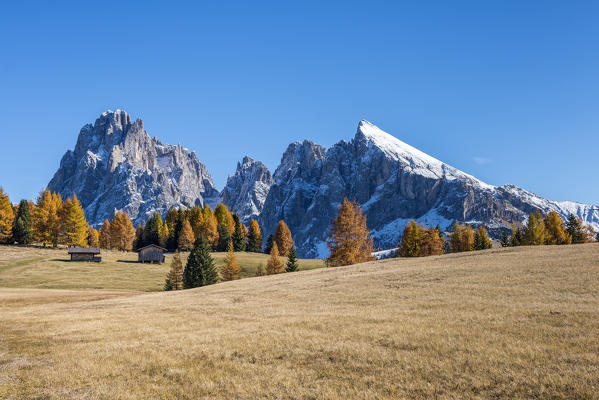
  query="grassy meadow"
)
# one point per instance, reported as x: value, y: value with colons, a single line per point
x: 502, y: 323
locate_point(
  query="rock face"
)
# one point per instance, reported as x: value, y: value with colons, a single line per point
x: 394, y: 182
x: 246, y: 191
x: 116, y: 166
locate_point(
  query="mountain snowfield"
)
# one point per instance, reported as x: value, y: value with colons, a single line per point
x: 116, y: 166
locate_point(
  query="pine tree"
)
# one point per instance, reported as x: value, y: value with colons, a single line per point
x: 555, y: 229
x: 410, y: 240
x: 153, y: 231
x: 254, y: 237
x: 93, y: 237
x: 505, y: 240
x: 139, y: 235
x: 292, y: 264
x: 238, y: 238
x: 22, y: 231
x: 74, y: 227
x: 283, y: 238
x: 481, y: 239
x: 574, y: 229
x: 350, y: 240
x: 431, y: 242
x: 7, y: 218
x: 534, y: 232
x: 516, y: 238
x: 200, y: 269
x: 186, y: 238
x: 269, y: 242
x: 223, y: 238
x: 174, y: 279
x: 274, y: 264
x: 105, y: 236
x: 231, y: 269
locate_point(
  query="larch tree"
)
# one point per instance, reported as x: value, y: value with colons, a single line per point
x: 254, y: 237
x: 555, y: 229
x: 105, y: 235
x: 481, y: 239
x: 200, y: 269
x: 350, y: 240
x: 292, y: 264
x: 209, y: 226
x: 224, y: 217
x: 22, y: 231
x: 431, y: 242
x: 45, y: 220
x: 461, y: 238
x: 74, y: 227
x: 588, y: 234
x: 274, y: 264
x: 122, y: 233
x: 93, y: 237
x: 410, y: 241
x: 174, y: 278
x: 7, y: 218
x: 231, y: 269
x: 283, y: 238
x: 534, y: 232
x: 186, y: 237
x: 516, y: 238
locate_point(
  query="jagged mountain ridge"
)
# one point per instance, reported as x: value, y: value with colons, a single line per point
x: 116, y: 166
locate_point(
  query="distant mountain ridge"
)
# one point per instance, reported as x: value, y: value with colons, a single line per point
x: 116, y: 166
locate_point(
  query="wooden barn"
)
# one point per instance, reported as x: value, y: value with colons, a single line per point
x: 84, y: 254
x: 151, y: 254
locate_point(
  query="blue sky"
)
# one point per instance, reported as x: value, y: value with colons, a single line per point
x: 507, y: 91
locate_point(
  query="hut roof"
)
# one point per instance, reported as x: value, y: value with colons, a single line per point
x: 83, y: 250
x: 151, y: 245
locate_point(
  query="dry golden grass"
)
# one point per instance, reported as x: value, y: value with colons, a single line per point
x: 506, y: 323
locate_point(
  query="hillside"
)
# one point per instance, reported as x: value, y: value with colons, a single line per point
x: 505, y: 323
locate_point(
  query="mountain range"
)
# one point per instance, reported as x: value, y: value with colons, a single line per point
x: 116, y: 166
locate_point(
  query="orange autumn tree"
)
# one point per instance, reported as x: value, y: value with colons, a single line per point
x: 283, y: 238
x: 350, y: 241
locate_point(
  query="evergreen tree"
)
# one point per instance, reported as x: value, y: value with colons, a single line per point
x: 74, y: 227
x: 269, y: 242
x: 153, y: 230
x: 574, y: 229
x: 105, y: 239
x: 534, y: 232
x: 481, y: 239
x: 274, y: 264
x: 505, y: 240
x: 21, y: 231
x: 461, y: 239
x: 139, y: 237
x: 231, y: 269
x: 254, y: 237
x: 223, y: 238
x: 7, y: 218
x: 174, y: 279
x: 200, y: 269
x: 431, y: 242
x: 516, y: 238
x: 292, y: 264
x: 238, y: 238
x: 93, y: 237
x: 283, y: 238
x: 186, y: 238
x: 555, y: 229
x: 349, y: 241
x: 410, y: 240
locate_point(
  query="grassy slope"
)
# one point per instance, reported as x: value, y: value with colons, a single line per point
x: 50, y: 269
x: 507, y: 323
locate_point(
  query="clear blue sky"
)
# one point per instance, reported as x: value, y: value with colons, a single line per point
x: 505, y: 90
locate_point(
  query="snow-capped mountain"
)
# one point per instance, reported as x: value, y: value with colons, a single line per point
x: 394, y: 182
x: 116, y: 166
x: 246, y: 191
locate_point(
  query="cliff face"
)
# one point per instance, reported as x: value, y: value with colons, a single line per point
x: 116, y: 166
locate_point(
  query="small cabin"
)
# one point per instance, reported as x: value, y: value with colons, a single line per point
x: 151, y: 254
x: 84, y: 254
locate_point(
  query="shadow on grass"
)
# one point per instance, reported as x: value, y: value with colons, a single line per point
x: 128, y: 261
x: 61, y: 259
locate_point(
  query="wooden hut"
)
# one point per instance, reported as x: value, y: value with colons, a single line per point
x: 84, y: 254
x: 151, y: 254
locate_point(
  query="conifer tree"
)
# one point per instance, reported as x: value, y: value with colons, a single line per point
x: 283, y: 238
x: 274, y: 264
x: 174, y: 278
x: 410, y: 240
x: 93, y: 237
x: 292, y: 264
x: 209, y: 226
x: 224, y: 217
x: 22, y: 231
x: 7, y: 218
x: 555, y: 229
x: 350, y: 240
x: 481, y: 239
x: 122, y: 233
x: 105, y: 236
x: 516, y: 238
x: 467, y: 238
x: 237, y: 238
x: 574, y: 229
x: 139, y: 235
x: 45, y: 219
x: 461, y: 239
x: 431, y: 242
x: 186, y: 238
x: 231, y: 269
x: 505, y: 240
x: 588, y: 234
x: 153, y: 230
x: 534, y: 232
x: 223, y: 238
x: 171, y: 218
x: 269, y: 243
x: 254, y: 237
x: 74, y: 227
x: 200, y: 269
